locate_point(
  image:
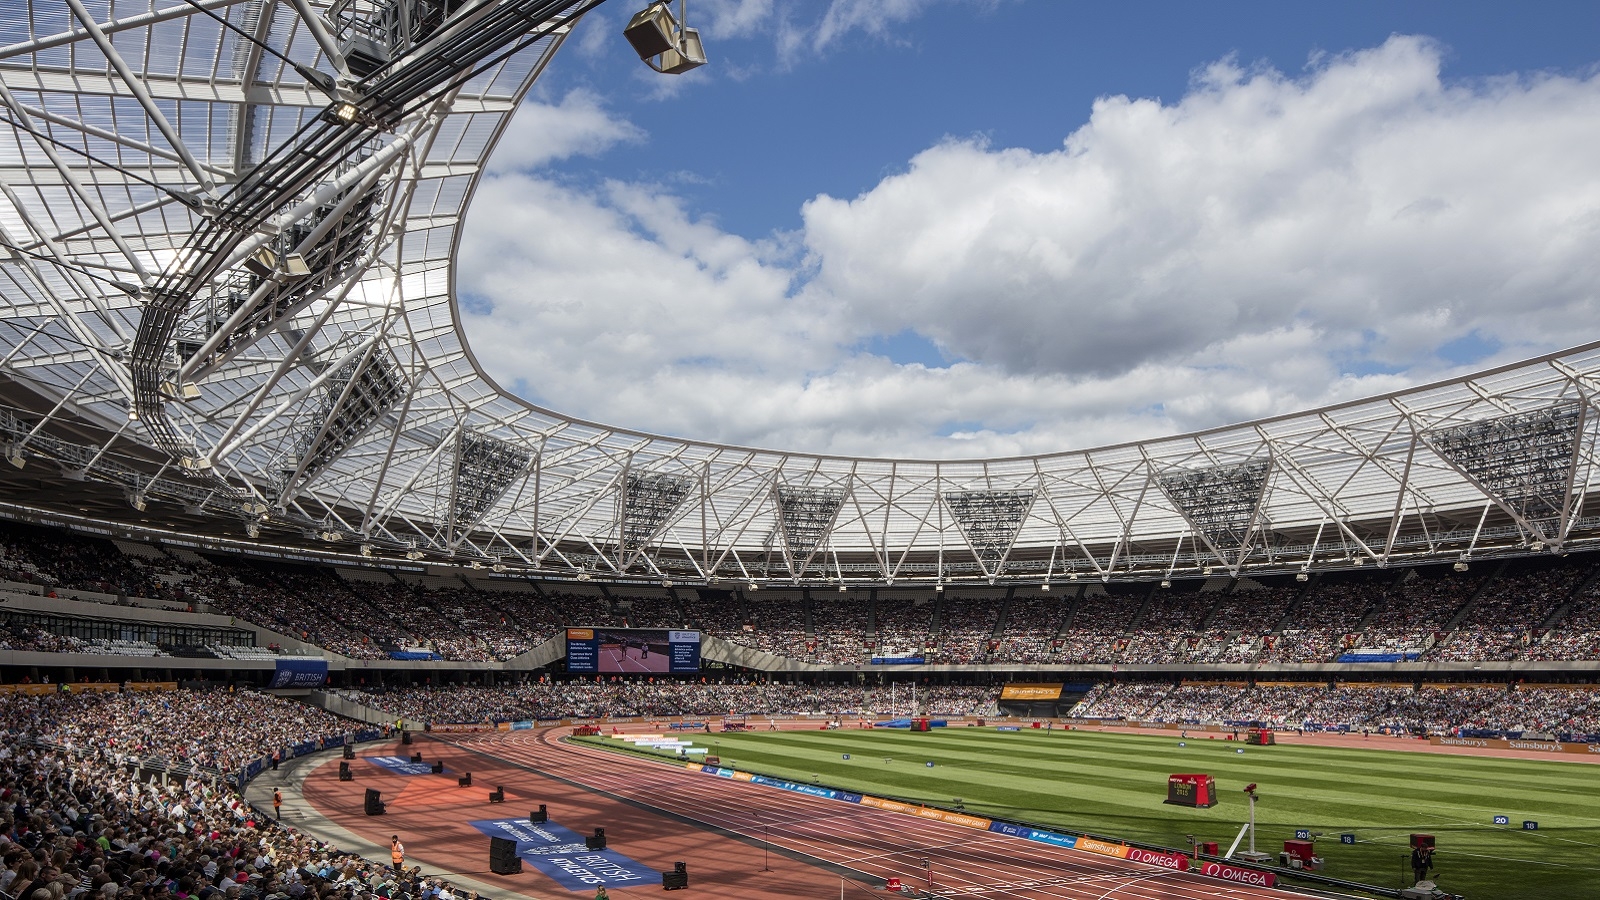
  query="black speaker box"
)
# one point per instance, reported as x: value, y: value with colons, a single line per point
x: 405, y: 737
x: 344, y: 771
x: 598, y: 842
x: 349, y: 752
x: 374, y: 805
x: 539, y: 816
x: 438, y: 768
x: 498, y: 795
x: 674, y: 881
x: 465, y: 780
x: 503, y: 858
x: 416, y: 757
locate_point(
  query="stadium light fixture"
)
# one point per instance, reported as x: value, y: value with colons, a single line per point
x: 1461, y: 566
x: 1301, y: 576
x: 1165, y: 583
x: 664, y: 42
x: 252, y: 530
x: 842, y: 589
x: 938, y: 588
x: 1046, y: 586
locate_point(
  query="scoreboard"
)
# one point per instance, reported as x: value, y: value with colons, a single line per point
x: 622, y: 651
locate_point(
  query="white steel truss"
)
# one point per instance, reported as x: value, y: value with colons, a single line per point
x: 228, y: 232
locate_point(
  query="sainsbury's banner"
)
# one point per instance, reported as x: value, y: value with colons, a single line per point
x: 1120, y: 851
x: 1021, y: 691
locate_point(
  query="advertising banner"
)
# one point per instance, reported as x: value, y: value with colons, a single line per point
x: 1120, y: 851
x: 1514, y: 744
x: 1021, y: 691
x: 299, y: 672
x: 559, y: 853
x: 1175, y: 861
x: 1236, y: 874
x: 400, y: 765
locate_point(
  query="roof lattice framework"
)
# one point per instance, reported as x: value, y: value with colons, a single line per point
x: 209, y: 212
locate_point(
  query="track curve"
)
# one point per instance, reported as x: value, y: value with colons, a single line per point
x: 873, y: 844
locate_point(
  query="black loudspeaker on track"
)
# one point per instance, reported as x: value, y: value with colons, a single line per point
x: 503, y: 859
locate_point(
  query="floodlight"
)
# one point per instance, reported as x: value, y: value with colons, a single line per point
x: 252, y: 530
x: 1461, y: 566
x: 1165, y: 583
x: 651, y: 30
x: 662, y: 41
x: 1301, y: 576
x: 1046, y: 586
x: 413, y: 554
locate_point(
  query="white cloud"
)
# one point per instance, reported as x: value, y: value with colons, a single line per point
x: 1265, y: 244
x: 542, y: 133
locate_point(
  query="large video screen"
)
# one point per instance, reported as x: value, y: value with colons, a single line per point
x: 622, y: 651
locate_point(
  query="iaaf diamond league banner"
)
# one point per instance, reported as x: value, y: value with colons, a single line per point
x: 560, y: 854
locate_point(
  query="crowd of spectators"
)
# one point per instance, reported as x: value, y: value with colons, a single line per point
x: 550, y: 699
x: 217, y: 730
x: 77, y: 821
x: 1375, y: 708
x: 1541, y: 609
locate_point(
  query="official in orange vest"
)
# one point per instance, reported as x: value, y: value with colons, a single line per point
x: 397, y: 853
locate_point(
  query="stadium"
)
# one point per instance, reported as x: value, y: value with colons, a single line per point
x: 288, y: 580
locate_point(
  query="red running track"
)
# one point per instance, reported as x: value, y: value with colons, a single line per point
x: 872, y: 844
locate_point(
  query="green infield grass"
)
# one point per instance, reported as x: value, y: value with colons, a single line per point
x: 1115, y: 784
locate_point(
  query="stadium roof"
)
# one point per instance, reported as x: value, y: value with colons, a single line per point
x: 229, y: 230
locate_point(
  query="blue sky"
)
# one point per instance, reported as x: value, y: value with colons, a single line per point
x: 820, y: 129
x: 752, y: 137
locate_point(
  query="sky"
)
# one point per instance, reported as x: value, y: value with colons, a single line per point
x: 979, y: 228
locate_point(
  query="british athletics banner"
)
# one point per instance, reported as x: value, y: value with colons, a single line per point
x: 299, y: 672
x: 400, y: 765
x: 560, y: 854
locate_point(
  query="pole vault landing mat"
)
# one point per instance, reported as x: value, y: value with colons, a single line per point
x: 559, y: 853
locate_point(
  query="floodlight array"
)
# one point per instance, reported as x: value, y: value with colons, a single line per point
x: 806, y: 516
x: 1221, y: 503
x: 1524, y: 461
x: 648, y: 501
x: 989, y: 520
x: 304, y: 261
x: 357, y: 395
x: 486, y: 467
